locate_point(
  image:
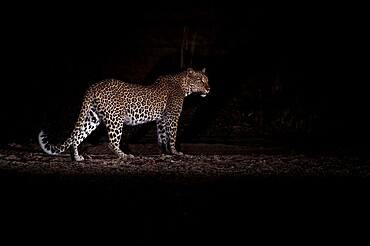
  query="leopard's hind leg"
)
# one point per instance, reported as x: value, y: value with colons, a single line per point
x: 90, y: 123
x: 114, y: 129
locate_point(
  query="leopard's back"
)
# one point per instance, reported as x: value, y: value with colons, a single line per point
x: 136, y: 103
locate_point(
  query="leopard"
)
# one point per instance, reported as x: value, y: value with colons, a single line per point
x: 116, y: 103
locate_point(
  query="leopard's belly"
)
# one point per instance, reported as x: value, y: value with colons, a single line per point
x: 136, y: 118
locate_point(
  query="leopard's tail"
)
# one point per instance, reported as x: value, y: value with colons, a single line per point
x: 52, y: 149
x: 81, y: 129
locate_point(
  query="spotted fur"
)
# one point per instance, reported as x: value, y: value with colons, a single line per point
x: 115, y: 103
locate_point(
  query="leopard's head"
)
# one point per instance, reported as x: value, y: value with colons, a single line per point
x: 197, y: 82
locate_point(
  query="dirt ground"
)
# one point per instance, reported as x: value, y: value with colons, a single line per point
x: 200, y: 160
x: 213, y: 187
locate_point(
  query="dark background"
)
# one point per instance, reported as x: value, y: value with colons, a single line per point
x: 290, y: 72
x: 294, y: 73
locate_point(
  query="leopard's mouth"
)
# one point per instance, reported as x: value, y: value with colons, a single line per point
x: 204, y: 93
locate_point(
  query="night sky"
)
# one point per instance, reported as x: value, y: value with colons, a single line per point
x: 56, y: 52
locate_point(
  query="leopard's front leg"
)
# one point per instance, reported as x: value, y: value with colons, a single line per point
x: 171, y: 134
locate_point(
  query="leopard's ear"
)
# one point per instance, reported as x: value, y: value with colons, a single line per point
x: 204, y: 70
x: 190, y: 71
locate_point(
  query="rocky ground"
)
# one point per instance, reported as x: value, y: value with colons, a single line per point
x: 212, y: 187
